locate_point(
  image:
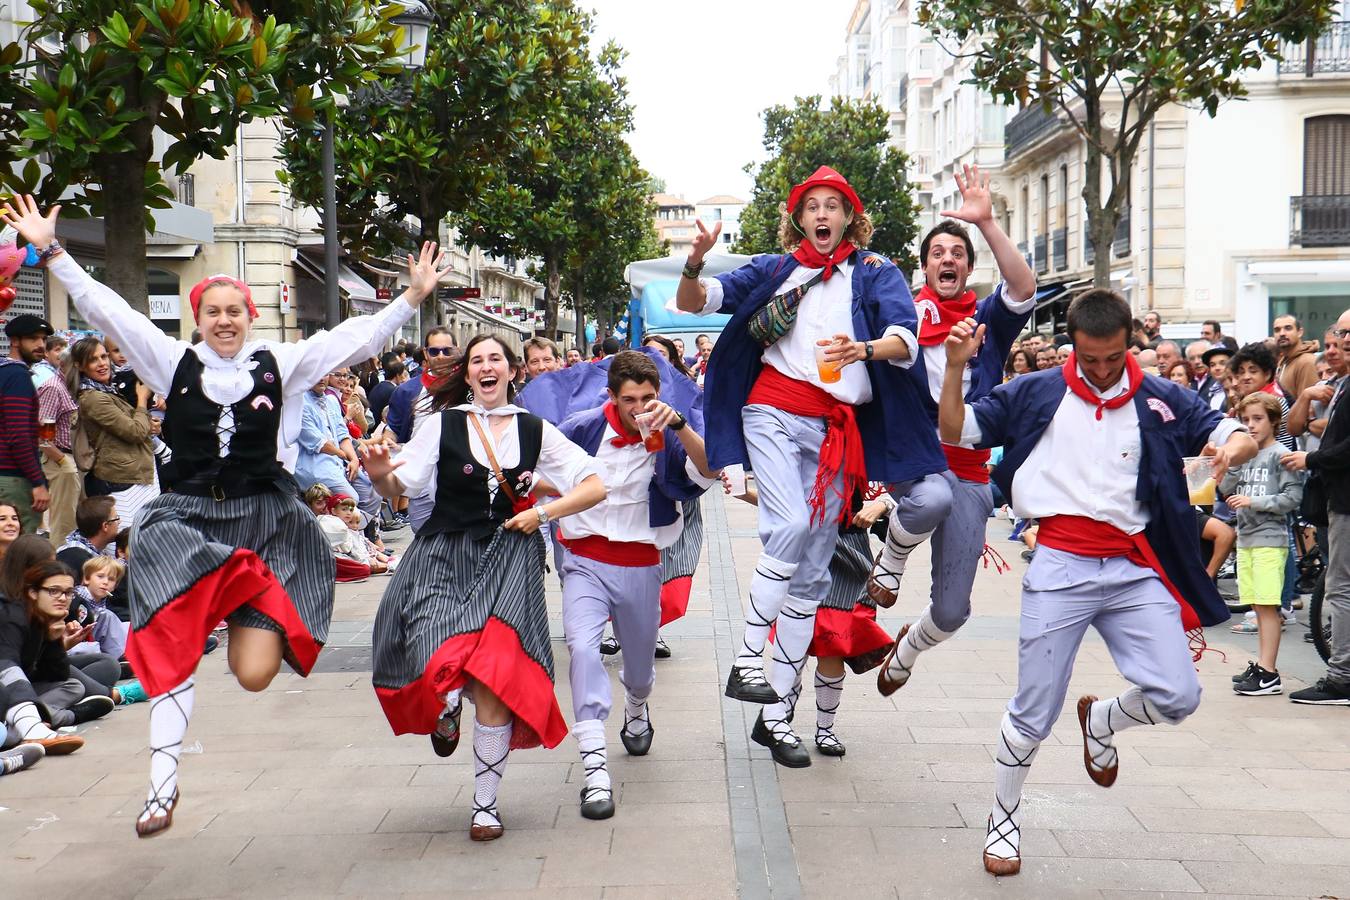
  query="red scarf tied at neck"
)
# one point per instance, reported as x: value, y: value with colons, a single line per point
x: 809, y: 256
x: 937, y: 316
x: 1082, y: 390
x: 625, y: 437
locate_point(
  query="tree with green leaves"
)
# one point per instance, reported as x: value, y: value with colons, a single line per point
x: 1106, y: 69
x: 194, y: 70
x: 850, y: 136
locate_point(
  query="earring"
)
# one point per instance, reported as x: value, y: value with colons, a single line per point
x: 468, y: 398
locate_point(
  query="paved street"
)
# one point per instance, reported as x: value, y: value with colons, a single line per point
x: 302, y: 791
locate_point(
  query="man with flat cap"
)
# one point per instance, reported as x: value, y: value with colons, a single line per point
x: 21, y: 480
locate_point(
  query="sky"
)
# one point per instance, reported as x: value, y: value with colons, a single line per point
x: 700, y: 72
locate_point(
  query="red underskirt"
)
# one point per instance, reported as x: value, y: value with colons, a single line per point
x: 675, y: 598
x: 494, y: 658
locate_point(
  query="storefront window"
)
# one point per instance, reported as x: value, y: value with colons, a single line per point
x: 1316, y: 306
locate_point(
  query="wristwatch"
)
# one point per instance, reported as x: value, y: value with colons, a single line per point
x: 679, y: 423
x: 868, y: 349
x: 543, y: 515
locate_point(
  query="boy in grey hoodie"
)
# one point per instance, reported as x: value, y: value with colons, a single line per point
x: 1264, y: 493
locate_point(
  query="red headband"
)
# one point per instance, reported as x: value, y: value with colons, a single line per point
x: 195, y: 297
x: 824, y: 177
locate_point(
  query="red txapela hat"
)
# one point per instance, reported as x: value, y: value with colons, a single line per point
x: 195, y: 296
x: 824, y: 177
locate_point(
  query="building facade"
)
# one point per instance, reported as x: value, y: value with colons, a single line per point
x: 675, y: 222
x: 722, y: 208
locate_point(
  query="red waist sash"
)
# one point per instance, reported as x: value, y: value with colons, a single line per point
x: 1088, y: 537
x: 630, y: 554
x: 967, y: 464
x: 842, y: 451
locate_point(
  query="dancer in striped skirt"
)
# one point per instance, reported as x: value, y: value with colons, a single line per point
x: 465, y: 612
x: 846, y: 629
x: 232, y: 541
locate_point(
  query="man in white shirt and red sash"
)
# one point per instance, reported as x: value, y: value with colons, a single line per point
x: 1093, y: 451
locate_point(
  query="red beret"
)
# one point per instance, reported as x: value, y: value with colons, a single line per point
x: 824, y: 177
x: 195, y: 296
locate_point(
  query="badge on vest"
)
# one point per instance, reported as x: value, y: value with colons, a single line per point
x: 261, y: 402
x: 1162, y: 409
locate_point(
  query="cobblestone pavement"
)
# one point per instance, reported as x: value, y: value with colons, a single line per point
x: 302, y: 791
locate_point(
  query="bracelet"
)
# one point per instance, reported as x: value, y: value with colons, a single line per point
x: 53, y: 249
x: 692, y: 271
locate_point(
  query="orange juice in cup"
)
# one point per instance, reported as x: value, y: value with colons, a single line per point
x: 1199, y: 480
x: 828, y: 370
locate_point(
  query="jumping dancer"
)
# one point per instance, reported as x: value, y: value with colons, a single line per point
x: 465, y: 611
x: 948, y: 256
x: 784, y: 396
x: 232, y: 541
x: 1093, y: 451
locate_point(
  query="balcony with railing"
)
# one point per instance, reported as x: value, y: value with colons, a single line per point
x: 1326, y: 53
x: 1319, y: 221
x: 1026, y: 127
x: 1059, y: 249
x: 1042, y: 261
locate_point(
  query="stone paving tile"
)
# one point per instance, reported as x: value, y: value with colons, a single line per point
x: 495, y: 872
x: 1049, y: 812
x: 1106, y: 845
x: 1310, y: 880
x: 1336, y: 824
x: 1229, y: 821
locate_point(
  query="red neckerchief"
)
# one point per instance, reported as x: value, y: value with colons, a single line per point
x: 428, y: 380
x: 948, y: 313
x: 1081, y: 388
x: 625, y: 437
x: 809, y: 256
x: 1273, y: 388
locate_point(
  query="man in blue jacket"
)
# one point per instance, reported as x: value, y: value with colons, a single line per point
x: 1093, y: 451
x: 808, y: 386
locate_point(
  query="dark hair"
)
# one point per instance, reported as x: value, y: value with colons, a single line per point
x: 12, y: 506
x: 1099, y: 313
x: 671, y: 350
x: 91, y: 514
x: 26, y: 550
x: 955, y: 229
x: 1213, y: 323
x: 432, y: 332
x: 1297, y: 324
x: 54, y: 341
x: 1256, y: 353
x: 595, y: 349
x: 630, y: 365
x: 1027, y: 357
x: 81, y: 352
x: 35, y: 575
x: 393, y: 369
x: 610, y: 346
x: 124, y: 541
x: 454, y: 390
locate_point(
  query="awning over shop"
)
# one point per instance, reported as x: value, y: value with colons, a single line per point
x: 178, y: 225
x: 353, y: 286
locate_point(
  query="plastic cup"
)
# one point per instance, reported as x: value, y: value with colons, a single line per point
x: 654, y: 441
x: 47, y: 431
x: 828, y: 371
x: 736, y: 480
x: 1199, y: 480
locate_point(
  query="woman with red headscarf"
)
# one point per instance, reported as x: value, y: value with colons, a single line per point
x: 242, y: 545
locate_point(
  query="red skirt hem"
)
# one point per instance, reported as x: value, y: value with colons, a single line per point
x: 495, y: 658
x: 675, y: 598
x: 165, y: 652
x: 847, y: 633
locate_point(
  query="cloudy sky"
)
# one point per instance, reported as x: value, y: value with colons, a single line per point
x: 701, y: 71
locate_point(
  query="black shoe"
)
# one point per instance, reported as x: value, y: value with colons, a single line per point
x: 827, y: 744
x: 126, y: 671
x: 601, y: 806
x: 1309, y: 638
x: 750, y: 686
x: 1246, y: 673
x: 786, y: 753
x: 637, y: 744
x: 1325, y: 693
x: 1259, y: 683
x: 94, y: 707
x: 609, y: 646
x: 445, y: 738
x: 662, y: 649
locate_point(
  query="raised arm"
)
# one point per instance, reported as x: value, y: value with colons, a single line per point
x: 691, y: 296
x: 977, y: 208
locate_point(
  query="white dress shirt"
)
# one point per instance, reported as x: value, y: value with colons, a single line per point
x: 155, y: 356
x: 625, y: 513
x: 825, y: 310
x: 1085, y: 466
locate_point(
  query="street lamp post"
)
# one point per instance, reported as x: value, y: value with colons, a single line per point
x: 416, y: 20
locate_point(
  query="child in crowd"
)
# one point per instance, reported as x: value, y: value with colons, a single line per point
x: 358, y: 547
x: 1263, y: 492
x: 99, y: 578
x: 316, y: 498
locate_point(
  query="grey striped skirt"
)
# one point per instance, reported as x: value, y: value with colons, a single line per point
x: 461, y: 611
x: 258, y: 561
x: 846, y: 622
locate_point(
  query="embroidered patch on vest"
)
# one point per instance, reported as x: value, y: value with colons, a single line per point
x: 873, y: 261
x: 927, y: 309
x: 261, y: 402
x: 1162, y: 409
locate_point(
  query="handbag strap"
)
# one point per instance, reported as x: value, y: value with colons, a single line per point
x: 492, y: 459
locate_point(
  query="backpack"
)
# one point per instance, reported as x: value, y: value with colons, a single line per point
x: 81, y: 447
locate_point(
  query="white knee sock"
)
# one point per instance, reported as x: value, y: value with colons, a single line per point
x: 590, y: 735
x: 636, y: 720
x: 491, y: 746
x: 1106, y: 717
x: 828, y: 692
x: 796, y: 627
x: 922, y: 635
x: 27, y: 723
x: 895, y: 553
x: 1012, y: 764
x: 452, y: 699
x: 170, y: 714
x: 768, y: 592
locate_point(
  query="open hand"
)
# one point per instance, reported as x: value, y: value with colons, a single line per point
x: 425, y: 272
x: 963, y: 342
x: 378, y: 463
x: 22, y: 213
x: 977, y: 203
x: 704, y: 241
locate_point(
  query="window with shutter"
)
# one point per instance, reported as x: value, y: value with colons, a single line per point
x: 1323, y: 212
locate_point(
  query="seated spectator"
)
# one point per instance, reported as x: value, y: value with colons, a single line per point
x: 345, y: 548
x: 362, y: 548
x: 316, y: 498
x: 34, y: 667
x: 26, y: 551
x: 97, y: 525
x: 10, y: 525
x: 327, y: 455
x: 90, y: 607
